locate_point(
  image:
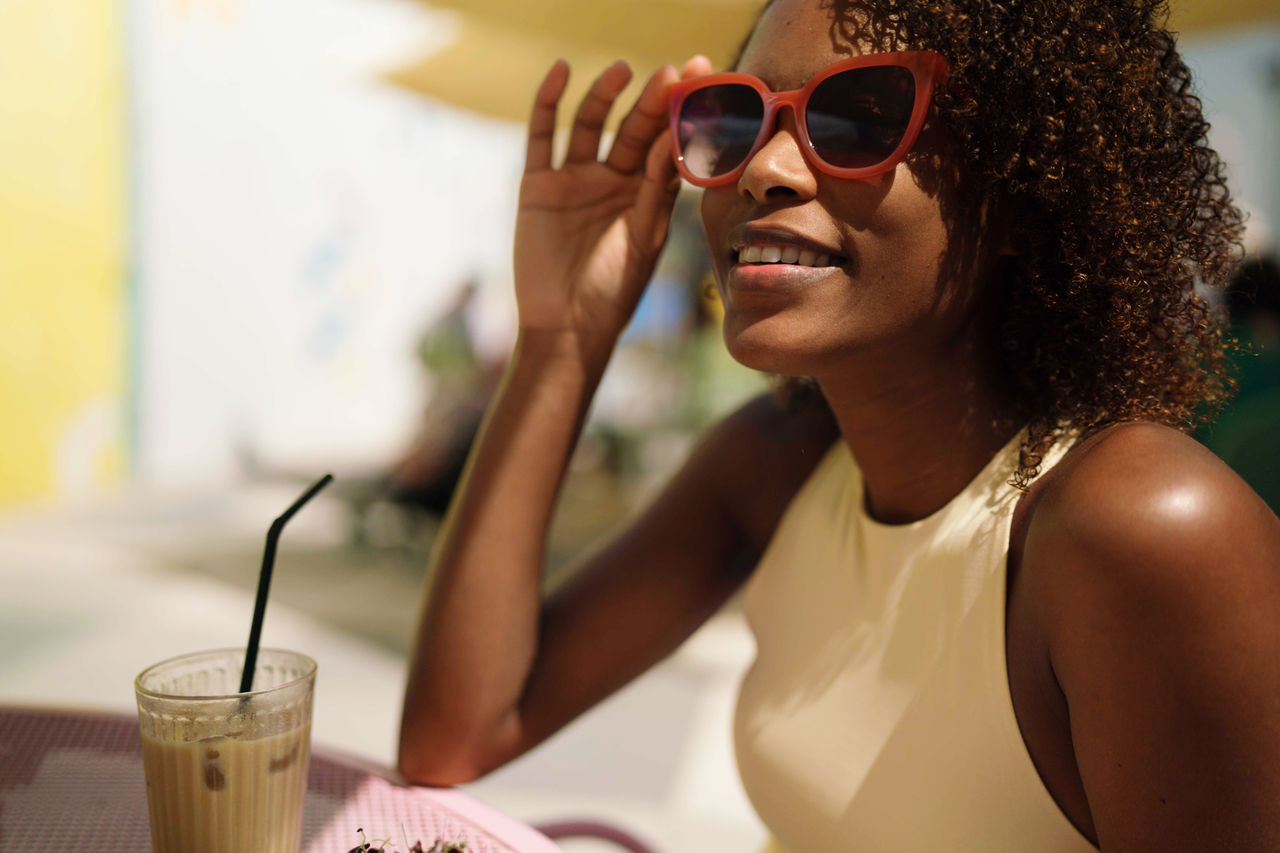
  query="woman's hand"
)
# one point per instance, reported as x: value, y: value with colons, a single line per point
x: 588, y: 233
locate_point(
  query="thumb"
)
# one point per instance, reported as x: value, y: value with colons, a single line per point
x: 657, y: 194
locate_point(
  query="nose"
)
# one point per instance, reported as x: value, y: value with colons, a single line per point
x: 779, y: 170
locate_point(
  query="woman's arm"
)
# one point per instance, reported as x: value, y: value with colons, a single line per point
x: 1165, y: 640
x: 492, y: 672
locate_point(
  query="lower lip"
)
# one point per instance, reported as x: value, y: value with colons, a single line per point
x: 774, y: 277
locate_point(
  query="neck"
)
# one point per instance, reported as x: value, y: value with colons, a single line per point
x: 921, y: 428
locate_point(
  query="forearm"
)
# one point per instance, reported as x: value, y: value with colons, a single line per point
x: 478, y: 636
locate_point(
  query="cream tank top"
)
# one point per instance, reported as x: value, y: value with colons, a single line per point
x: 877, y: 716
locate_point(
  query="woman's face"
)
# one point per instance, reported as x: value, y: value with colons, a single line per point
x: 892, y: 288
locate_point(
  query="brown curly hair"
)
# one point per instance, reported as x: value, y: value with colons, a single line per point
x: 1079, y: 115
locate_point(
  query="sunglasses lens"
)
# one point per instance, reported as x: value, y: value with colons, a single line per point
x: 717, y: 127
x: 857, y: 118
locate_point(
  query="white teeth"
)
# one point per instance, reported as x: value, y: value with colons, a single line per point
x: 757, y: 254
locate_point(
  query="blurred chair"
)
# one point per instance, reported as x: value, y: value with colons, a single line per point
x: 593, y: 829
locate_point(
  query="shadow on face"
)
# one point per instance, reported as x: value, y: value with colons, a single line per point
x: 976, y: 239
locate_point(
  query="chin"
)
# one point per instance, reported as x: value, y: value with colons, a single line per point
x: 758, y: 348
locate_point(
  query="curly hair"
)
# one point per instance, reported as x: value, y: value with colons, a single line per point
x: 1079, y: 115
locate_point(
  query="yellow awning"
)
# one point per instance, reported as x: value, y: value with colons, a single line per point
x: 505, y: 46
x: 1197, y: 17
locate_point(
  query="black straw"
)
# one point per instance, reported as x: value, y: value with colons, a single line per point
x: 264, y: 581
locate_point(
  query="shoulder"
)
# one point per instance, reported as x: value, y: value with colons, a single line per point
x: 760, y: 455
x: 1145, y: 500
x: 1142, y: 515
x: 767, y: 423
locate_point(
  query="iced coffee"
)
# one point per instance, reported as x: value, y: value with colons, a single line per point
x: 226, y: 772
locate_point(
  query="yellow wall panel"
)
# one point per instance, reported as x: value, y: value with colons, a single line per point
x: 62, y: 245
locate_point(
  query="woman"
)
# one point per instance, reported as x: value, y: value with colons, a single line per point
x: 1001, y: 602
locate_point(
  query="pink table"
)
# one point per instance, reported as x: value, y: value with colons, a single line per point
x: 72, y: 781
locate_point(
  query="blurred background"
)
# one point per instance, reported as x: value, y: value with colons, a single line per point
x: 245, y: 242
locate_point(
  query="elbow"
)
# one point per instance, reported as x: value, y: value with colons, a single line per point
x: 435, y: 771
x: 440, y: 758
x: 444, y: 749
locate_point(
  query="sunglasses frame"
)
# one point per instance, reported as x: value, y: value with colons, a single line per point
x: 926, y: 66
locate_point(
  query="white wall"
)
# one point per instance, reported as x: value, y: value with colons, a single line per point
x: 297, y: 224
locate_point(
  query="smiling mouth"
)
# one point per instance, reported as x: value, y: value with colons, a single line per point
x: 764, y: 254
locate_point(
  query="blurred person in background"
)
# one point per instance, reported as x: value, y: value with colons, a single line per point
x: 463, y: 382
x: 1247, y: 433
x: 1002, y: 601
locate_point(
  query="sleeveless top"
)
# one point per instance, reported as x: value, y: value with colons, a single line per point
x: 877, y: 715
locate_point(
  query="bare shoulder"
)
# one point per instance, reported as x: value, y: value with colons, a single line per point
x: 760, y: 455
x: 766, y: 424
x: 1143, y: 514
x: 1150, y: 499
x: 1159, y: 572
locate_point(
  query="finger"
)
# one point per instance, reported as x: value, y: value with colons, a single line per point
x: 542, y: 122
x: 588, y: 124
x: 657, y: 194
x: 643, y: 124
x: 697, y: 66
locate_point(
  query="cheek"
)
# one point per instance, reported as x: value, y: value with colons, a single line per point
x: 902, y: 256
x: 907, y: 229
x: 715, y: 208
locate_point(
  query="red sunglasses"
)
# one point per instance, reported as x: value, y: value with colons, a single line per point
x: 857, y: 118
